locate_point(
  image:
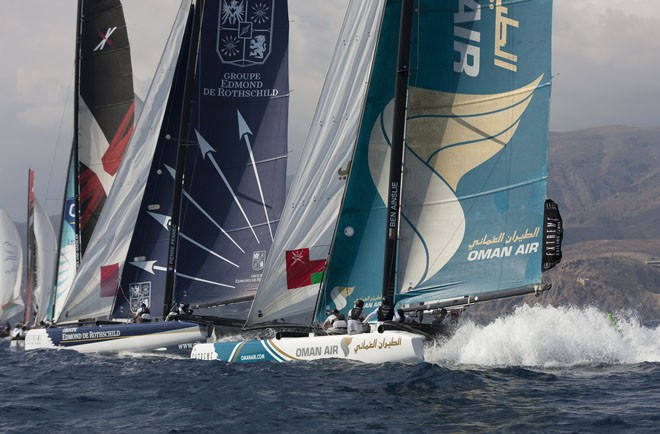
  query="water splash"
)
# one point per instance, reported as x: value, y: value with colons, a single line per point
x: 550, y: 337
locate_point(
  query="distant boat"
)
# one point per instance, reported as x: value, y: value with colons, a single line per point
x: 11, y: 257
x: 192, y: 213
x: 42, y: 250
x: 426, y: 186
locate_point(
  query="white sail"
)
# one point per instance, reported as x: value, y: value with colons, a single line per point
x: 46, y: 246
x: 312, y: 207
x: 108, y: 246
x: 11, y: 255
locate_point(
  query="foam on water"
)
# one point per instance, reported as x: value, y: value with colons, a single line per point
x: 550, y: 337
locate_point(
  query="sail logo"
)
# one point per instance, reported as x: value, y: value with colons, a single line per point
x: 245, y: 30
x: 10, y: 260
x: 502, y: 22
x: 258, y: 260
x: 467, y: 40
x: 105, y: 39
x: 70, y: 215
x: 140, y: 292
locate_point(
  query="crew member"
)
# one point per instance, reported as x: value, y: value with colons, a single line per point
x: 356, y: 319
x: 385, y: 311
x: 143, y: 314
x: 335, y: 323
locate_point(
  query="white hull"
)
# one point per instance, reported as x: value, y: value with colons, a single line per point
x: 117, y: 338
x: 389, y: 346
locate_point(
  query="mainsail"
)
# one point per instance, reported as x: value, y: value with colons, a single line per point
x: 105, y: 107
x: 232, y: 179
x: 235, y: 179
x: 11, y: 257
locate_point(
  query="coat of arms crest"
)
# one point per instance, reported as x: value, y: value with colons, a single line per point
x: 140, y: 292
x: 258, y: 260
x: 245, y: 30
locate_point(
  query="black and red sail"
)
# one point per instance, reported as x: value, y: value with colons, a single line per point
x: 106, y: 104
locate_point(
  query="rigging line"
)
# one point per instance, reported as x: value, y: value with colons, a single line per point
x: 203, y: 211
x: 243, y: 132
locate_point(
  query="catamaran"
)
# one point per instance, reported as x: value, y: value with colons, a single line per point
x: 424, y: 182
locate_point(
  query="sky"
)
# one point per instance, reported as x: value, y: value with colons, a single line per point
x: 604, y: 53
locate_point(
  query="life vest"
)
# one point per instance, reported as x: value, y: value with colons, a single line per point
x: 339, y: 322
x: 356, y: 314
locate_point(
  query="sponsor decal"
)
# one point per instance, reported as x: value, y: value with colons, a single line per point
x: 105, y: 38
x: 317, y: 351
x: 382, y: 343
x: 70, y: 215
x: 253, y: 357
x: 90, y: 335
x: 467, y: 40
x: 502, y: 245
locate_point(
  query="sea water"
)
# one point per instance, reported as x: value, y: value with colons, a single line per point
x: 538, y: 370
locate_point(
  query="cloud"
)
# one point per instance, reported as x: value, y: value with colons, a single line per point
x: 605, y: 64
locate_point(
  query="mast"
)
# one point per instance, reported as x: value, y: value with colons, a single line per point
x: 396, y: 153
x: 74, y: 147
x: 30, y: 251
x: 181, y: 141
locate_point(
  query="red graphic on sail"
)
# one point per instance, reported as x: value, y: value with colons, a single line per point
x: 301, y: 271
x: 112, y: 157
x: 109, y: 280
x: 92, y: 194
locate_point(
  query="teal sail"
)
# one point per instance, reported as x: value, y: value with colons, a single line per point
x: 475, y: 159
x: 355, y: 268
x: 477, y: 151
x: 67, y: 257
